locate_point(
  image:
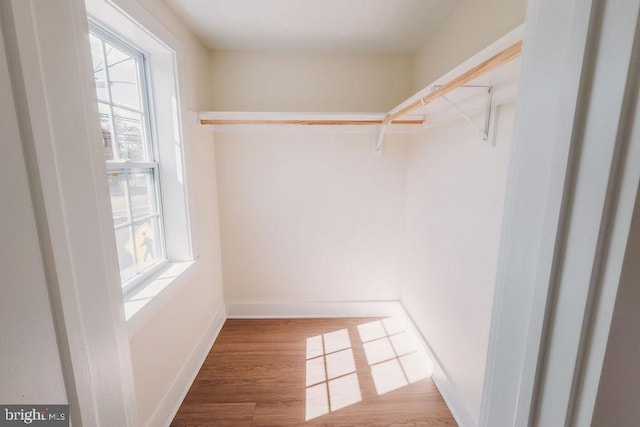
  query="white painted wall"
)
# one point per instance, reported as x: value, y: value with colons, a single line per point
x: 362, y: 82
x: 29, y: 361
x: 162, y: 347
x: 472, y: 26
x: 67, y: 167
x: 196, y: 54
x: 310, y: 216
x: 312, y: 82
x: 166, y: 343
x: 152, y: 345
x: 455, y: 194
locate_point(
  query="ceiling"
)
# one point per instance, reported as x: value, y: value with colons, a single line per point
x: 399, y: 26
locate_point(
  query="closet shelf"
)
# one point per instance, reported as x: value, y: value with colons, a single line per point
x: 402, y: 116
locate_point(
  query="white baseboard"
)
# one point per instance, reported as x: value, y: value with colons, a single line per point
x: 452, y: 398
x: 173, y: 399
x: 447, y: 388
x: 176, y: 394
x: 313, y: 309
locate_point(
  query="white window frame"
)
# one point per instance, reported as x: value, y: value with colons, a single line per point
x: 131, y: 284
x: 129, y: 21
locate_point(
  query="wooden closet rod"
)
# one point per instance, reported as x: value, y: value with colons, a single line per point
x: 309, y: 122
x: 495, y: 61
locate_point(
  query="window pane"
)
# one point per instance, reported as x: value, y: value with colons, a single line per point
x: 120, y: 83
x: 99, y: 71
x: 118, y: 190
x: 123, y: 75
x: 142, y: 192
x: 147, y: 243
x: 125, y: 253
x: 107, y: 132
x: 130, y: 135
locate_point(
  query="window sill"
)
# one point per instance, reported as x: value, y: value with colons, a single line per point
x: 147, y: 300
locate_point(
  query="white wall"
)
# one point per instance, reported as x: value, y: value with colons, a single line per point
x: 305, y: 216
x: 363, y: 82
x: 312, y: 82
x: 163, y: 346
x: 455, y: 194
x: 170, y: 340
x: 29, y: 362
x: 472, y: 26
x: 166, y: 343
x: 196, y: 55
x: 310, y: 216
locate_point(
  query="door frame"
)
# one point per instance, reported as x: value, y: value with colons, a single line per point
x: 571, y: 188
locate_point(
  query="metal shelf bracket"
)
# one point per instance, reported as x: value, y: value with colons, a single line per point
x: 484, y: 131
x: 379, y: 140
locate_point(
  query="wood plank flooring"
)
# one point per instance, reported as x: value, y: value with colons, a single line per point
x: 330, y: 372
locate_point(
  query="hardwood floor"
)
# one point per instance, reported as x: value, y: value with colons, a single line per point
x: 330, y: 372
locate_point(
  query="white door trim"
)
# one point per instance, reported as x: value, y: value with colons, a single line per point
x: 47, y: 47
x: 568, y: 207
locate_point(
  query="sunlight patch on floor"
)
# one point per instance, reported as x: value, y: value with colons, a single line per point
x: 314, y: 347
x: 394, y: 354
x: 340, y: 363
x: 336, y: 341
x: 388, y: 376
x: 378, y: 350
x: 344, y: 391
x: 315, y: 371
x: 331, y: 380
x: 416, y: 366
x: 317, y: 402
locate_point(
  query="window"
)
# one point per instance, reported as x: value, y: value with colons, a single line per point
x: 130, y: 154
x: 137, y: 64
